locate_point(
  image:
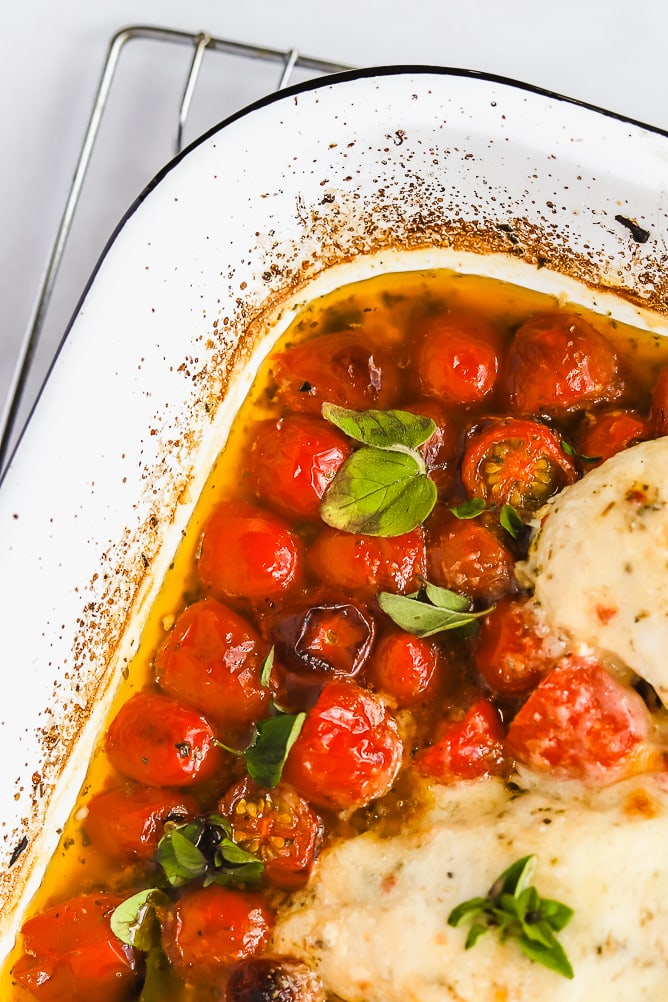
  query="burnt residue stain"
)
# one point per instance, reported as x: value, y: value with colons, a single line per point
x: 640, y: 235
x: 18, y: 849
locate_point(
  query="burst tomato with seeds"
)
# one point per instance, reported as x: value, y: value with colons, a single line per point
x: 368, y: 564
x: 71, y: 955
x: 348, y: 751
x: 129, y: 821
x: 559, y: 363
x: 209, y: 929
x: 248, y: 553
x: 294, y: 461
x: 212, y: 660
x: 457, y: 357
x: 466, y: 749
x: 342, y: 368
x: 278, y: 826
x: 157, y: 741
x: 515, y: 461
x: 579, y: 723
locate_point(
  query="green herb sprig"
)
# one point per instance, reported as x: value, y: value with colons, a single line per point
x: 429, y: 610
x: 509, y: 517
x: 516, y: 911
x: 383, y: 488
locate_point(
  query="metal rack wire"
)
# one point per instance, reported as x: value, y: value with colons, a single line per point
x: 247, y: 57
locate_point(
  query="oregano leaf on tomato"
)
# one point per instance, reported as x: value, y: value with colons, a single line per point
x: 391, y: 429
x: 134, y: 921
x: 469, y: 509
x: 431, y: 610
x: 274, y: 738
x: 379, y: 493
x: 204, y: 849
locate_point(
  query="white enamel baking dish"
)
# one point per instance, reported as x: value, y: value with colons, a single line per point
x: 322, y: 184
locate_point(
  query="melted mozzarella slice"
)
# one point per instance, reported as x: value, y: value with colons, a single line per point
x: 599, y: 563
x: 373, y: 920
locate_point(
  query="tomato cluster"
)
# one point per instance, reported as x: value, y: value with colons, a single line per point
x: 286, y: 628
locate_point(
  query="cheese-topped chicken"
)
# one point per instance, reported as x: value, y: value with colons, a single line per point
x: 373, y: 920
x: 599, y: 562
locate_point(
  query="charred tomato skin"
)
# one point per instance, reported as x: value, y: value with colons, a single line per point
x: 274, y: 979
x: 348, y: 751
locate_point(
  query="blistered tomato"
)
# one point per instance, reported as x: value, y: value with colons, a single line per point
x: 466, y: 749
x: 457, y: 357
x: 407, y: 668
x: 212, y: 660
x: 348, y: 751
x: 71, y: 954
x: 559, y: 363
x: 512, y: 653
x: 157, y: 741
x: 603, y: 434
x: 248, y: 553
x: 294, y: 460
x: 464, y: 555
x: 368, y: 564
x: 128, y: 822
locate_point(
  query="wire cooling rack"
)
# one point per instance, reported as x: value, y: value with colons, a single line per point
x: 181, y: 83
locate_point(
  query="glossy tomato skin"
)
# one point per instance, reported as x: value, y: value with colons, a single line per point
x: 365, y: 565
x: 210, y: 929
x: 212, y: 660
x: 579, y: 723
x: 457, y: 357
x: 467, y: 749
x: 409, y: 669
x: 294, y: 461
x: 126, y: 823
x: 348, y: 752
x: 603, y: 434
x: 515, y: 461
x: 512, y: 653
x: 71, y: 954
x: 157, y: 741
x: 343, y: 368
x: 278, y: 826
x: 466, y: 556
x: 558, y: 364
x: 247, y: 553
x: 658, y: 416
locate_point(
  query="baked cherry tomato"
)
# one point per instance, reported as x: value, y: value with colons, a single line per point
x: 278, y: 826
x: 442, y: 447
x: 274, y: 979
x: 294, y: 460
x: 248, y: 553
x: 71, y: 954
x: 559, y: 363
x: 512, y: 653
x: 659, y: 409
x: 368, y: 564
x: 128, y: 822
x: 342, y: 368
x: 335, y: 639
x: 468, y: 748
x: 466, y: 556
x: 603, y: 434
x: 157, y: 741
x: 579, y: 723
x: 407, y: 668
x: 212, y: 660
x: 457, y: 357
x: 515, y: 461
x: 209, y: 929
x: 348, y: 751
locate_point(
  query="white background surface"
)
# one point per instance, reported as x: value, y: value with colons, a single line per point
x: 610, y: 53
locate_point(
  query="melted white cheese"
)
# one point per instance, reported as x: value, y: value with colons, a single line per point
x: 373, y: 920
x: 599, y: 563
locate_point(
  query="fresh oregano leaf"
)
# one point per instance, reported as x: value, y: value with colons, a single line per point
x: 511, y: 521
x: 379, y: 493
x: 203, y: 849
x: 429, y: 611
x: 570, y: 451
x: 391, y: 429
x: 134, y: 921
x: 267, y: 754
x: 266, y: 669
x: 514, y: 909
x: 469, y: 509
